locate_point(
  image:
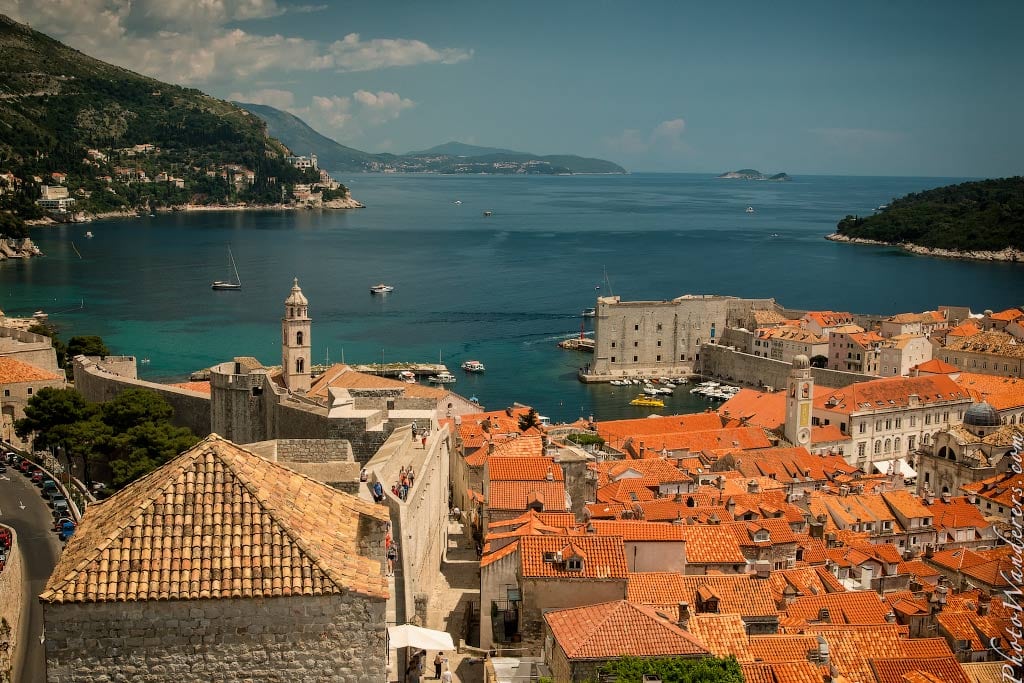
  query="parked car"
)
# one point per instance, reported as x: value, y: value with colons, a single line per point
x: 47, y: 486
x: 24, y: 465
x: 67, y: 529
x: 55, y: 494
x: 38, y: 476
x: 59, y: 522
x: 60, y: 507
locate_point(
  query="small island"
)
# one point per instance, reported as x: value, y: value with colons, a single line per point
x: 981, y: 220
x: 751, y: 174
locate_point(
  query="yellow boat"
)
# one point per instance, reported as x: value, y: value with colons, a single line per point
x: 649, y: 401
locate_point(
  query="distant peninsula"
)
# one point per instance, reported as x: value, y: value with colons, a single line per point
x: 451, y: 157
x: 981, y: 220
x: 751, y: 174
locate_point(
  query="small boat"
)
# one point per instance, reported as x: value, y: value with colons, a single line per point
x: 407, y: 376
x: 381, y: 288
x: 665, y: 390
x: 444, y: 377
x: 473, y: 366
x: 882, y: 207
x: 152, y: 215
x: 619, y: 382
x: 589, y: 312
x: 228, y: 285
x: 144, y: 361
x: 650, y: 390
x: 647, y: 401
x: 40, y: 315
x: 750, y: 209
x: 457, y: 202
x: 487, y: 213
x: 88, y: 234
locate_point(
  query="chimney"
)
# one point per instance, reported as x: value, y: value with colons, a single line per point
x: 822, y: 649
x: 752, y: 486
x: 591, y: 529
x: 929, y: 497
x: 550, y: 476
x: 642, y: 449
x: 984, y: 602
x: 929, y: 551
x: 890, y: 617
x: 823, y: 616
x: 684, y: 614
x: 762, y: 570
x: 730, y: 506
x: 490, y: 447
x: 844, y: 490
x: 945, y: 497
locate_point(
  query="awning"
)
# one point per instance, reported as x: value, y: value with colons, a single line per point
x: 408, y: 635
x: 898, y: 465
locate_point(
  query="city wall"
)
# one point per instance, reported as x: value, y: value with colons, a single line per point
x: 28, y: 347
x: 97, y: 384
x: 12, y: 607
x: 283, y: 639
x: 419, y: 523
x: 723, y: 362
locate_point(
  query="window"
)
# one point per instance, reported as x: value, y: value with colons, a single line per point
x: 658, y: 358
x: 910, y: 443
x: 613, y: 345
x: 898, y: 422
x: 928, y: 418
x: 659, y: 343
x: 896, y: 445
x: 913, y: 420
x: 636, y: 328
x: 682, y: 356
x: 613, y: 359
x: 298, y: 338
x: 888, y: 445
x: 30, y: 391
x: 886, y: 526
x: 861, y: 447
x: 7, y: 392
x: 861, y: 428
x: 945, y: 416
x: 635, y: 359
x: 636, y: 344
x: 888, y: 425
x: 574, y: 564
x: 878, y: 425
x: 300, y: 365
x: 659, y: 327
x: 878, y: 447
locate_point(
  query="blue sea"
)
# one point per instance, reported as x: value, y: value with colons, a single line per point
x: 502, y: 289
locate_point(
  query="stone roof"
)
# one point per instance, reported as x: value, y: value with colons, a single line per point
x: 15, y: 371
x: 218, y: 521
x: 610, y: 630
x: 992, y: 342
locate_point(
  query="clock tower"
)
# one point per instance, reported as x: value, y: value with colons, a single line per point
x: 295, y: 341
x: 799, y: 401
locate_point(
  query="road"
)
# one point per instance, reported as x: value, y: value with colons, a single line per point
x: 39, y: 551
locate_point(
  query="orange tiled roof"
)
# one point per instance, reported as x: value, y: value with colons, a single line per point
x: 626, y: 491
x: 1009, y: 315
x: 781, y: 672
x: 851, y: 648
x: 603, y: 557
x: 968, y: 328
x: 654, y: 470
x: 783, y: 647
x: 738, y: 593
x: 523, y: 468
x: 907, y: 504
x: 988, y: 566
x: 639, y: 530
x: 914, y: 670
x: 928, y: 318
x: 201, y: 387
x: 722, y: 634
x: 957, y: 513
x: 998, y: 489
x: 975, y: 629
x: 562, y: 520
x: 791, y: 464
x: 344, y: 377
x: 1002, y: 393
x: 889, y: 392
x: 616, y: 629
x: 992, y: 342
x: 613, y: 430
x: 851, y: 607
x: 218, y: 522
x: 516, y: 495
x: 935, y: 367
x: 803, y: 581
x: 759, y: 408
x: 14, y: 371
x: 829, y: 318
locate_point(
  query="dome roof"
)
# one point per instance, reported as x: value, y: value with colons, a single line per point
x: 801, y: 361
x: 296, y: 298
x: 981, y: 415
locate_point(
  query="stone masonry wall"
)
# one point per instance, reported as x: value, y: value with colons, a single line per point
x: 285, y: 639
x: 12, y: 580
x: 28, y: 347
x: 313, y: 450
x: 722, y: 362
x: 191, y: 408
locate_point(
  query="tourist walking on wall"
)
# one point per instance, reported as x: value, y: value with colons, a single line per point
x: 439, y: 661
x: 392, y: 556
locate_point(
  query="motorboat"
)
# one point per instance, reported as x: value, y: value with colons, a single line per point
x: 144, y: 361
x: 665, y: 391
x: 381, y: 288
x: 407, y: 376
x: 473, y: 366
x: 89, y: 234
x: 750, y: 209
x: 651, y: 390
x: 487, y: 213
x: 619, y: 382
x: 229, y: 284
x: 589, y: 312
x: 647, y: 401
x: 457, y: 202
x: 443, y: 377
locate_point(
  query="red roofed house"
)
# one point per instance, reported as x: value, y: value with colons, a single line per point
x: 914, y: 323
x: 854, y: 350
x: 19, y: 382
x: 581, y: 639
x: 824, y: 322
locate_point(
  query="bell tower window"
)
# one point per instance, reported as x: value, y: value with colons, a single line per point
x: 298, y: 338
x: 300, y: 365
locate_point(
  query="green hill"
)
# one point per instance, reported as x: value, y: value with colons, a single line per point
x: 57, y: 104
x: 985, y: 215
x: 451, y: 157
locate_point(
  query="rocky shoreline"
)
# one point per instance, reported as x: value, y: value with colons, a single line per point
x: 1009, y: 254
x: 16, y: 249
x: 84, y: 217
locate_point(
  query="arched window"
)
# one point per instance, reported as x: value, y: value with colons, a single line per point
x: 300, y: 365
x: 896, y: 444
x: 888, y: 445
x: 298, y: 338
x: 925, y: 439
x: 878, y: 447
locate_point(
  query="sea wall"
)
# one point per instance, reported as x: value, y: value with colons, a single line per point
x: 28, y: 347
x: 723, y: 362
x: 97, y: 384
x: 12, y: 607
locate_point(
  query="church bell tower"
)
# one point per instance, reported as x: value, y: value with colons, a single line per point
x: 295, y: 341
x: 799, y: 399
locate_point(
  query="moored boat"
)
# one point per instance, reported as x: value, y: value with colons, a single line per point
x: 473, y: 366
x: 443, y: 377
x: 381, y: 288
x: 407, y: 376
x: 647, y: 401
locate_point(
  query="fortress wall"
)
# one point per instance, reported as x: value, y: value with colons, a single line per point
x: 722, y: 362
x: 191, y: 408
x: 12, y: 609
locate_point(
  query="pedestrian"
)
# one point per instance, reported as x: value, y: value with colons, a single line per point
x: 424, y: 442
x: 392, y: 556
x: 378, y: 492
x: 446, y: 675
x: 439, y: 660
x: 413, y: 672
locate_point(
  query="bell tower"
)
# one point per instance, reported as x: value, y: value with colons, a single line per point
x: 799, y: 399
x: 295, y: 341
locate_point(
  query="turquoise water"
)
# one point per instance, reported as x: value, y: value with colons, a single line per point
x: 502, y: 289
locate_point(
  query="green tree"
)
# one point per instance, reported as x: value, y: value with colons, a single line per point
x: 528, y: 420
x: 134, y: 407
x: 50, y: 413
x: 12, y: 226
x: 88, y: 345
x: 144, y: 447
x: 673, y: 670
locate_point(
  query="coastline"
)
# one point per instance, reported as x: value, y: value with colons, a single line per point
x: 1009, y: 254
x: 82, y: 217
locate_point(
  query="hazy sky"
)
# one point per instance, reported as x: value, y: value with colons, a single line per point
x: 871, y: 88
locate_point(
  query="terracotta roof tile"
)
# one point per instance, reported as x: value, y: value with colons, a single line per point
x: 889, y: 392
x: 517, y: 495
x: 935, y: 367
x: 988, y: 566
x: 781, y: 647
x: 992, y: 343
x: 942, y: 669
x: 781, y: 672
x: 218, y: 522
x: 14, y: 371
x: 616, y: 629
x: 603, y: 557
x: 722, y: 634
x: 639, y: 428
x: 852, y: 607
x: 200, y: 387
x: 738, y: 593
x: 522, y: 468
x: 759, y: 408
x: 1002, y: 393
x: 344, y: 377
x: 639, y: 530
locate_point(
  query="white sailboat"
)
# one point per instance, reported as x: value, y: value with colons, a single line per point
x: 222, y: 284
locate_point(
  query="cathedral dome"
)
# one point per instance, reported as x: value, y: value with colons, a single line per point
x: 981, y: 415
x: 296, y: 298
x: 801, y: 362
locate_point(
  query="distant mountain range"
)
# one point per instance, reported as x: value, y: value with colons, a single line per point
x: 451, y: 157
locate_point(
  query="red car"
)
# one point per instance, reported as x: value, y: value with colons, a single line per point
x: 24, y: 465
x: 38, y: 476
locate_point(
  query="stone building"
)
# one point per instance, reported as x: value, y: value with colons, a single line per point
x: 899, y: 353
x: 220, y: 566
x: 963, y: 454
x: 664, y: 337
x: 19, y: 382
x: 992, y: 352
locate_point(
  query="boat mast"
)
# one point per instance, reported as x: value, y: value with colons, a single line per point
x: 231, y: 257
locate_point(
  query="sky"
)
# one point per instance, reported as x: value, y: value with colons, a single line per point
x: 866, y: 88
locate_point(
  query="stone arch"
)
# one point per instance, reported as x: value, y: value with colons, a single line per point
x: 947, y: 453
x: 896, y: 445
x: 878, y: 446
x: 888, y: 445
x: 298, y: 338
x: 300, y: 365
